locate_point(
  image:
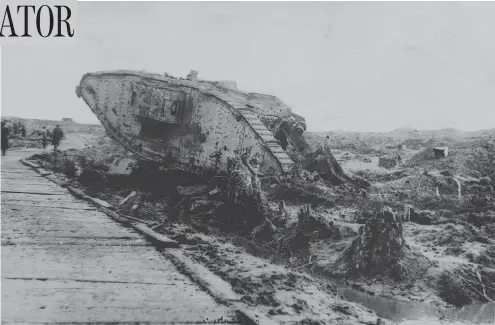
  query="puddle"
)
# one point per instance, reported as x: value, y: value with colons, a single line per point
x: 399, y: 312
x: 405, y: 312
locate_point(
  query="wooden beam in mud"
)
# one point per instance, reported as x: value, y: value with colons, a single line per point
x: 162, y: 240
x: 30, y: 164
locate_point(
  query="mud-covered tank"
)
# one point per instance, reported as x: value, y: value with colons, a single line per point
x: 189, y: 123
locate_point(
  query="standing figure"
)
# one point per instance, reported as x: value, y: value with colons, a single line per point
x: 44, y: 136
x: 5, y: 138
x: 57, y: 136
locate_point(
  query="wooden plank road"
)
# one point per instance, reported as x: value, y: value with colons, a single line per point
x: 63, y: 261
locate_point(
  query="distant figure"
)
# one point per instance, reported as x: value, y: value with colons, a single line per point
x: 58, y: 135
x: 5, y: 138
x: 23, y: 130
x: 15, y: 127
x: 44, y: 136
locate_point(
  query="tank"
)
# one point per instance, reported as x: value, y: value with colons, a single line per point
x: 191, y: 124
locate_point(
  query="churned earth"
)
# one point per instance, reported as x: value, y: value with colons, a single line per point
x: 410, y: 244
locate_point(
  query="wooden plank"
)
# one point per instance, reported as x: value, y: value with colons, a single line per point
x: 78, y: 193
x: 16, y: 167
x: 119, y: 217
x: 32, y: 188
x: 101, y: 203
x: 49, y: 208
x: 17, y: 175
x: 29, y: 163
x: 14, y: 164
x: 160, y: 239
x: 114, y: 215
x: 41, y: 181
x: 13, y: 187
x: 46, y: 205
x: 89, y: 242
x: 15, y: 171
x: 44, y: 216
x: 31, y: 182
x: 28, y: 182
x: 44, y: 172
x: 57, y: 181
x: 127, y: 198
x: 34, y: 192
x: 211, y: 282
x: 71, y: 301
x: 26, y: 197
x: 33, y: 225
x: 140, y: 264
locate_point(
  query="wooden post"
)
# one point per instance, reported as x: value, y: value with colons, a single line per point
x: 130, y: 196
x: 133, y: 210
x: 281, y: 207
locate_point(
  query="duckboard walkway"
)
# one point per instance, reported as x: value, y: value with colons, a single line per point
x: 63, y: 261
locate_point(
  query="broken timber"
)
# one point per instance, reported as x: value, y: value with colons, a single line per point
x: 159, y: 239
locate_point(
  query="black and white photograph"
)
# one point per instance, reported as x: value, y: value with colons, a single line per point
x: 248, y: 163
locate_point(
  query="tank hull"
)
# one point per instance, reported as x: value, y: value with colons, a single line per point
x: 191, y: 125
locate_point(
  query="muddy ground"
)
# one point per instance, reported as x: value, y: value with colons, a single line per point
x: 443, y: 242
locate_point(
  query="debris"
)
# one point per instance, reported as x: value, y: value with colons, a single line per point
x: 420, y: 217
x: 114, y: 215
x: 193, y: 190
x: 281, y: 208
x: 127, y: 198
x: 458, y: 187
x: 389, y: 160
x: 441, y: 152
x: 214, y: 191
x: 78, y: 171
x: 122, y: 166
x: 133, y: 210
x: 203, y: 205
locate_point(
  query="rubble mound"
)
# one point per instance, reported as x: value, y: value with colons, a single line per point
x: 381, y: 250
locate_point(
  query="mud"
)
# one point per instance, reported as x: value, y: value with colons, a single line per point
x: 441, y: 247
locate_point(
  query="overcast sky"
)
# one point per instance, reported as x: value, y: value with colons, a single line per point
x: 355, y: 66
